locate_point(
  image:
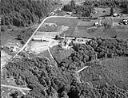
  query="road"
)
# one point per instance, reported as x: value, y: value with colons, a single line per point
x: 18, y: 88
x: 14, y: 87
x: 37, y: 30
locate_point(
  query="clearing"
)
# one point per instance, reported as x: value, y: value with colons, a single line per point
x: 4, y: 59
x: 86, y: 28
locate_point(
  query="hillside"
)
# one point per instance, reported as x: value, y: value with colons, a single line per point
x: 23, y: 13
x: 97, y: 69
x: 54, y: 50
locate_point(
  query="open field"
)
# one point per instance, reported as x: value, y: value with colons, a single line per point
x: 70, y: 22
x: 40, y: 46
x: 79, y: 28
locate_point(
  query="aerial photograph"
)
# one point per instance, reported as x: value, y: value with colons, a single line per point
x: 64, y: 48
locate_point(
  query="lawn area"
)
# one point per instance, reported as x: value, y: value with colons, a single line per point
x: 86, y: 29
x: 61, y: 21
x: 79, y: 28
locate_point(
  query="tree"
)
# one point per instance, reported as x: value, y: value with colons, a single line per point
x: 111, y: 11
x: 73, y: 4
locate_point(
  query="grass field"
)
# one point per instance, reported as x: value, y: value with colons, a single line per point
x: 70, y: 22
x: 63, y: 21
x: 79, y: 28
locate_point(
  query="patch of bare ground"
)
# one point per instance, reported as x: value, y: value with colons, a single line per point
x: 4, y: 59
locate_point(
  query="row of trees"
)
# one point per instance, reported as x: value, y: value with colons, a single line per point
x: 24, y: 12
x: 87, y: 6
x: 43, y: 79
x: 95, y: 49
x: 83, y: 10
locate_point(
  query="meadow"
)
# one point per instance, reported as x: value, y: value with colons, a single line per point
x: 80, y: 28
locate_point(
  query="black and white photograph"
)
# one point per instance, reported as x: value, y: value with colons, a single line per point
x: 64, y: 48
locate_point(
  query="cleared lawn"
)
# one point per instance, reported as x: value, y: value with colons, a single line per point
x: 86, y: 29
x: 39, y: 46
x: 63, y: 21
x: 70, y: 22
x: 79, y: 28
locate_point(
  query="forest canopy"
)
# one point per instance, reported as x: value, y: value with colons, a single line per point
x: 86, y: 8
x: 24, y: 12
x: 49, y: 81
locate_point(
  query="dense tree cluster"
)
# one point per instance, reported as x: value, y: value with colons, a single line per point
x: 87, y: 6
x: 44, y: 79
x: 47, y: 80
x: 95, y: 49
x: 107, y: 3
x: 83, y: 53
x: 81, y: 10
x: 109, y: 47
x: 24, y: 12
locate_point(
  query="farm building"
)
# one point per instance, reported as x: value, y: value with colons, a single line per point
x: 99, y: 12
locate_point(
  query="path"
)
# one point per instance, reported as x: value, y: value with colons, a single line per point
x: 18, y: 88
